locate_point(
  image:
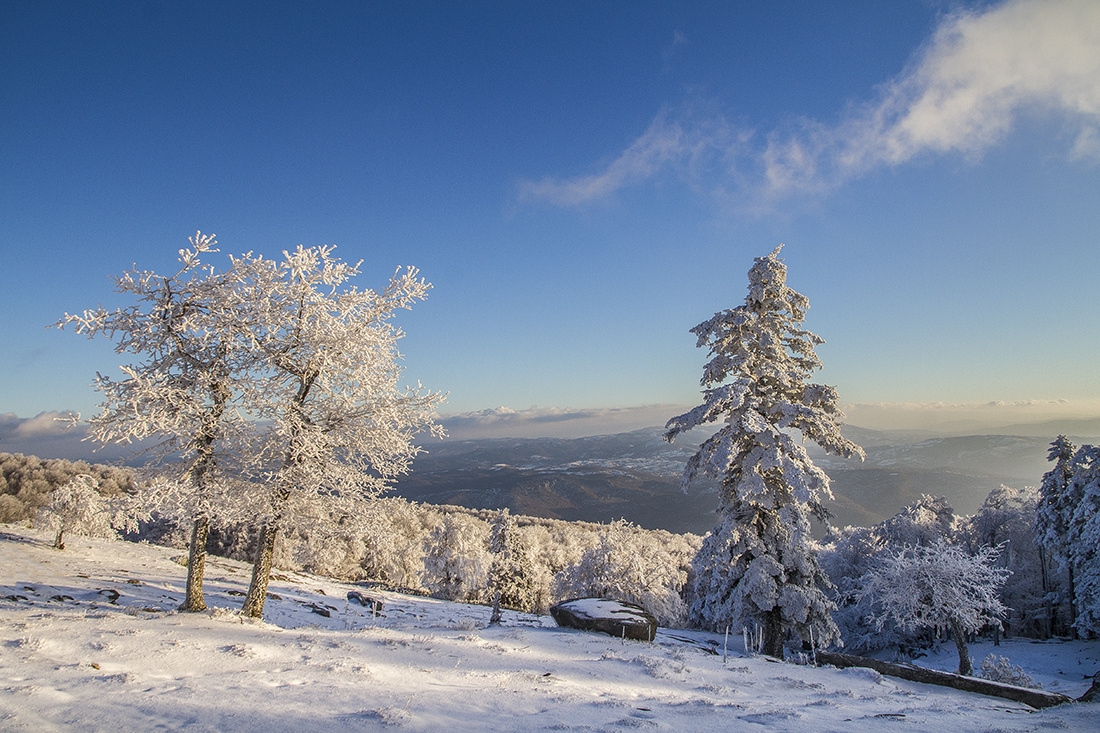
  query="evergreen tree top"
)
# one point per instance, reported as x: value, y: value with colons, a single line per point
x: 761, y: 360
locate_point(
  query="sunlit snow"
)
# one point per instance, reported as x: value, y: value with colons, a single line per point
x: 74, y: 656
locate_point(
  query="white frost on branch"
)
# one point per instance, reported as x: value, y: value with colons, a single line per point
x: 936, y: 586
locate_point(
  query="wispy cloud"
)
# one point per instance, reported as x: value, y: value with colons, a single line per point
x: 684, y: 141
x: 963, y: 92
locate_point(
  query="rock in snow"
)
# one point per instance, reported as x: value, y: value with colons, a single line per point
x: 618, y: 618
x: 374, y: 604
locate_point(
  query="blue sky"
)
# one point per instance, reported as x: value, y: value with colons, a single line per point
x: 582, y: 182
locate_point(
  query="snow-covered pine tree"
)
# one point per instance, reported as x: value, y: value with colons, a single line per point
x: 757, y: 566
x: 512, y: 574
x: 1058, y: 498
x: 939, y: 586
x: 339, y: 420
x: 183, y: 329
x: 1084, y: 539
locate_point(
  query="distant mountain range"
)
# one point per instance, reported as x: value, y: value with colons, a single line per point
x: 636, y: 475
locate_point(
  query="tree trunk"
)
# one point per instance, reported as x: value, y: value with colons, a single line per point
x: 196, y: 565
x: 1072, y: 606
x: 1049, y: 630
x: 261, y: 572
x: 1034, y: 698
x: 58, y: 543
x: 965, y: 667
x: 494, y: 619
x: 773, y: 633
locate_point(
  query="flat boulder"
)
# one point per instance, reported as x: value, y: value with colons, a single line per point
x: 617, y: 618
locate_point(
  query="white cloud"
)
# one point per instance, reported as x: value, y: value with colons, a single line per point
x: 959, y: 416
x: 554, y: 422
x: 962, y: 93
x: 42, y: 425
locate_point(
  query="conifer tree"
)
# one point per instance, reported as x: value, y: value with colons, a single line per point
x: 1058, y: 497
x: 1078, y: 507
x: 1085, y: 540
x: 757, y: 565
x: 511, y: 576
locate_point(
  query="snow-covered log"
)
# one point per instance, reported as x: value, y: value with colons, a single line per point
x: 1027, y: 696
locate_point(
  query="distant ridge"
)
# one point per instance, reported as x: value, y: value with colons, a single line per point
x: 636, y: 475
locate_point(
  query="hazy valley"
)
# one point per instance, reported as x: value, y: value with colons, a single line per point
x: 636, y: 475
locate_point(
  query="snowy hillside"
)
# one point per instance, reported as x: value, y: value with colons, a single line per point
x: 89, y: 641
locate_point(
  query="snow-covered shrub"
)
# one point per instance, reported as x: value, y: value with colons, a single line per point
x: 628, y: 565
x: 457, y: 559
x: 999, y: 669
x: 78, y: 508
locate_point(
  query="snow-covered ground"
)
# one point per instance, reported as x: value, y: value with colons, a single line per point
x: 73, y: 659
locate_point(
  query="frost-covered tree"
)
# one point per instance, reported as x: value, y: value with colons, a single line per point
x: 183, y: 331
x: 849, y: 554
x: 78, y: 508
x: 925, y: 521
x: 939, y: 586
x: 1058, y: 498
x: 756, y: 566
x: 339, y: 421
x: 1006, y: 520
x: 512, y: 574
x: 1083, y: 534
x: 394, y: 539
x: 628, y: 564
x: 457, y: 559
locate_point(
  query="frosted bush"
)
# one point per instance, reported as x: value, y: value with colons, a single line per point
x: 628, y: 564
x: 76, y: 507
x: 999, y: 669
